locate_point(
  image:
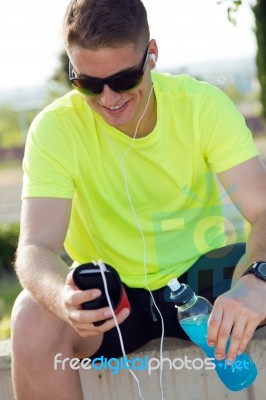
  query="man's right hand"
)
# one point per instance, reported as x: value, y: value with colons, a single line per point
x: 83, y: 320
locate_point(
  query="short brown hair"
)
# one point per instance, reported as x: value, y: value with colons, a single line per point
x: 93, y: 24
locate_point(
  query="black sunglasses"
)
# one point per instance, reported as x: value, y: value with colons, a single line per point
x: 91, y: 86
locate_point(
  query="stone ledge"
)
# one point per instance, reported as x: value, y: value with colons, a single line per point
x: 6, y: 391
x: 190, y: 385
x: 5, y: 354
x: 181, y: 384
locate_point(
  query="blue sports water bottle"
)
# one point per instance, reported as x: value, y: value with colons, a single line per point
x: 193, y: 314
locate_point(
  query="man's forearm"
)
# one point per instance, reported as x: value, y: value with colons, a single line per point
x: 256, y: 243
x: 256, y: 248
x: 43, y: 274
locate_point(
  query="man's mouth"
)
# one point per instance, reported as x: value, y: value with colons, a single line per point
x: 117, y: 107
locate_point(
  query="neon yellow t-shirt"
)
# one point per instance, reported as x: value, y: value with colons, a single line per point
x: 170, y: 175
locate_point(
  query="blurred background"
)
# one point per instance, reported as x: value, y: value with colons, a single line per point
x: 222, y: 42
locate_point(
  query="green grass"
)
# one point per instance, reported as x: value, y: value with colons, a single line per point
x: 9, y: 290
x: 11, y: 139
x: 9, y: 164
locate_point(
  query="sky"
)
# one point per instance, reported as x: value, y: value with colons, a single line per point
x: 187, y: 32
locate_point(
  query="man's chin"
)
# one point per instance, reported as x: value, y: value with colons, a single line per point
x: 114, y: 122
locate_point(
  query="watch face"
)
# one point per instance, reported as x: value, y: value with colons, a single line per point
x: 262, y: 268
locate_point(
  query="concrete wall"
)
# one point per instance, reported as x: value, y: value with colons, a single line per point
x: 6, y: 392
x: 181, y: 384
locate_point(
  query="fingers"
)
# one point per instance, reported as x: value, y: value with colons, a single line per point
x: 244, y: 327
x: 219, y: 331
x: 75, y: 298
x: 239, y: 338
x: 214, y: 323
x: 230, y: 318
x: 235, y: 327
x: 249, y: 332
x: 83, y: 320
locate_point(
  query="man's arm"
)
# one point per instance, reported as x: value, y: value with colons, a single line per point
x: 44, y: 224
x: 243, y: 308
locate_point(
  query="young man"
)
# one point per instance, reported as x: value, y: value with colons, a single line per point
x: 122, y: 169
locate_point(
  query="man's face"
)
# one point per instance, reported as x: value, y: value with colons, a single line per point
x: 120, y: 110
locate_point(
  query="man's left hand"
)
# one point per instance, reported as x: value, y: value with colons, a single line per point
x: 237, y: 313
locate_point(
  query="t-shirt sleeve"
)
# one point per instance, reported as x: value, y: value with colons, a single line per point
x: 225, y: 139
x: 49, y: 160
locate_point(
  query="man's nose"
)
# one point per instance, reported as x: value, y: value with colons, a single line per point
x: 109, y: 97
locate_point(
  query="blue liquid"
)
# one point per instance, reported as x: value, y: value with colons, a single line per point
x: 235, y: 376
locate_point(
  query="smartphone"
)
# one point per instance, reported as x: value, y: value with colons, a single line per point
x: 88, y: 276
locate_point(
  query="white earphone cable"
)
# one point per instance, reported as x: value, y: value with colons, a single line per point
x: 122, y: 158
x: 102, y: 269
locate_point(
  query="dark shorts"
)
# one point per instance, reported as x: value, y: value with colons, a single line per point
x: 209, y: 277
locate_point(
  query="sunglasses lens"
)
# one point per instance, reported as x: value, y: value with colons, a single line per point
x: 122, y: 83
x: 87, y: 86
x: 126, y: 82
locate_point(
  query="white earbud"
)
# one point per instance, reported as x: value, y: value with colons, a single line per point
x: 153, y: 58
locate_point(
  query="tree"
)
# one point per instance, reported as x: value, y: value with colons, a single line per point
x: 61, y: 73
x: 259, y: 10
x: 59, y: 82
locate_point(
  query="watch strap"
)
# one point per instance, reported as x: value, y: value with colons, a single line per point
x: 254, y: 269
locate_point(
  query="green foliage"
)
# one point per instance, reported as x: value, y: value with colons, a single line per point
x: 9, y: 290
x: 9, y: 127
x: 9, y: 285
x: 8, y: 244
x: 259, y: 10
x: 233, y: 6
x: 14, y: 126
x: 61, y: 74
x: 60, y: 79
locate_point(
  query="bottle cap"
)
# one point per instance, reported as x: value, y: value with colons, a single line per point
x: 180, y: 293
x: 174, y: 285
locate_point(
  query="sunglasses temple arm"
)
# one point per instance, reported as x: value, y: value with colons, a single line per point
x: 70, y: 70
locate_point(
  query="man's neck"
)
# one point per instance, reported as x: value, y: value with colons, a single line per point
x: 147, y: 123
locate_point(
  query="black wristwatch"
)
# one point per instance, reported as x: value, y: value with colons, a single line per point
x: 258, y: 268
